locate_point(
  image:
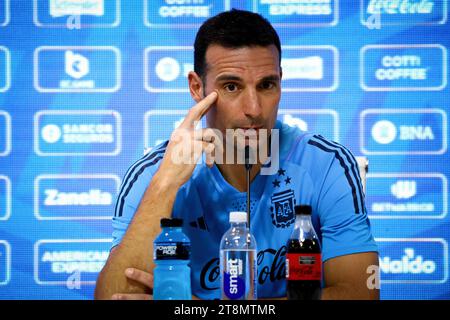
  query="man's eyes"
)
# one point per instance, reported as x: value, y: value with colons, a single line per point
x: 231, y: 87
x: 234, y: 87
x: 268, y: 85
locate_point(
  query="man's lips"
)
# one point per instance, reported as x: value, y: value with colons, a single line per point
x: 250, y: 128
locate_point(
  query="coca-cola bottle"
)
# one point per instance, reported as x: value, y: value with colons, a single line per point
x: 303, y: 258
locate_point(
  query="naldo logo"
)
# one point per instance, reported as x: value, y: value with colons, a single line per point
x: 408, y: 263
x: 413, y: 260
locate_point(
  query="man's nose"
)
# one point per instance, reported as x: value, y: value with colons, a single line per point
x: 251, y: 104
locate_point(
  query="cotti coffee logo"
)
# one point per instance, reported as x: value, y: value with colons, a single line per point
x: 181, y: 13
x: 421, y: 261
x: 75, y: 197
x: 403, y: 131
x: 57, y: 261
x: 77, y: 132
x: 323, y: 121
x: 5, y: 69
x: 299, y: 13
x: 5, y: 262
x: 405, y: 12
x: 86, y: 13
x: 4, y: 13
x: 403, y: 67
x: 79, y: 69
x: 166, y: 68
x: 407, y: 195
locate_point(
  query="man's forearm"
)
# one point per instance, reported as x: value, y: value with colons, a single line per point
x: 136, y: 247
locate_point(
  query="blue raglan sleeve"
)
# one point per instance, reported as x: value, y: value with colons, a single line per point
x: 344, y: 225
x: 133, y: 187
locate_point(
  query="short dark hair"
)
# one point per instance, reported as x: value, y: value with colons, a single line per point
x: 233, y: 29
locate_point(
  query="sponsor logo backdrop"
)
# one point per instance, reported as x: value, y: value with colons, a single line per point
x: 87, y: 85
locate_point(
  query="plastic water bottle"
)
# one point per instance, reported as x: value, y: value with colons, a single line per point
x: 171, y: 253
x: 238, y: 268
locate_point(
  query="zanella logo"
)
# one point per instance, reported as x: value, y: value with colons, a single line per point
x: 408, y: 263
x: 55, y: 197
x: 65, y: 197
x: 209, y: 276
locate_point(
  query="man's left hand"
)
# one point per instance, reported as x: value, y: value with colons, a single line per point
x: 140, y: 276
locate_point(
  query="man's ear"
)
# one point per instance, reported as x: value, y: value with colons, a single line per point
x: 195, y: 86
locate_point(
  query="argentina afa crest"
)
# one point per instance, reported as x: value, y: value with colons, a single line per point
x: 283, y: 202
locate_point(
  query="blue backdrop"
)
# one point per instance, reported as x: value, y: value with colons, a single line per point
x: 85, y: 86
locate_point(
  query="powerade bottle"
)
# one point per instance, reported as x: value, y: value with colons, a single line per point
x: 171, y: 253
x: 238, y: 268
x: 303, y: 258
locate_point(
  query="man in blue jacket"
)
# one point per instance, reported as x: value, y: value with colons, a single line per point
x: 236, y: 83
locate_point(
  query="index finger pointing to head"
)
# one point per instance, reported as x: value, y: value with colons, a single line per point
x: 199, y: 110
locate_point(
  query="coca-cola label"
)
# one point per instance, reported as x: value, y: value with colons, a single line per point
x: 301, y: 266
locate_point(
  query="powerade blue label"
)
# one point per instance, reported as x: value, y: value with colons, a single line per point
x: 172, y: 250
x: 234, y: 285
